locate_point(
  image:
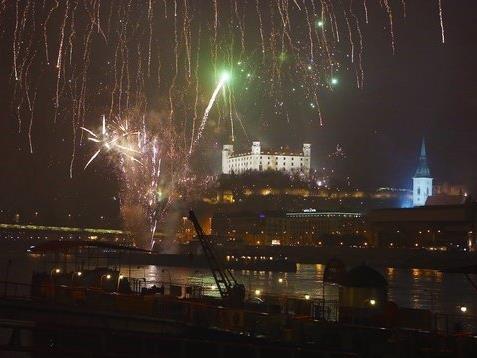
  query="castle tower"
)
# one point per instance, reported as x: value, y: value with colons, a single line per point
x: 422, y: 180
x: 307, y: 157
x: 255, y: 147
x: 227, y: 151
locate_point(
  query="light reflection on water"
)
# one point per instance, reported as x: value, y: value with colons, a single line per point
x: 415, y: 288
x: 306, y: 281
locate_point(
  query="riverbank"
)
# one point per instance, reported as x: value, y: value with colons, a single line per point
x: 374, y: 257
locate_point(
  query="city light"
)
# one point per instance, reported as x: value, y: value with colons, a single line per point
x: 258, y: 292
x: 79, y: 273
x: 121, y: 277
x: 280, y: 280
x: 57, y: 270
x: 372, y: 302
x: 334, y: 81
x: 307, y: 297
x: 463, y: 309
x: 108, y: 276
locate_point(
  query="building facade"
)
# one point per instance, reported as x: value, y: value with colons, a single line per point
x: 305, y: 227
x: 422, y: 180
x: 259, y: 160
x: 449, y: 227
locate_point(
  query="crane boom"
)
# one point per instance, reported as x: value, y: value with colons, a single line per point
x: 230, y: 290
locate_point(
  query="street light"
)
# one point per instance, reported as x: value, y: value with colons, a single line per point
x: 55, y: 270
x: 307, y: 297
x: 372, y: 302
x: 75, y: 274
x: 257, y: 292
x: 108, y: 277
x: 280, y: 280
x: 463, y: 309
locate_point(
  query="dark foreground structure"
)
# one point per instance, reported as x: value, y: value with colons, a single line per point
x: 82, y: 303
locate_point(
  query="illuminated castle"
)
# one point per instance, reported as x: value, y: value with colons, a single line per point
x: 259, y: 160
x: 422, y: 180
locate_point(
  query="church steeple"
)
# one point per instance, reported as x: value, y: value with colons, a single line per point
x: 423, y: 147
x: 422, y: 168
x: 422, y: 181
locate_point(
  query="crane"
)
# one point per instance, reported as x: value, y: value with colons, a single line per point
x: 231, y: 292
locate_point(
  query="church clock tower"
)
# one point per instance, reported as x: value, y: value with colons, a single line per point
x: 422, y: 180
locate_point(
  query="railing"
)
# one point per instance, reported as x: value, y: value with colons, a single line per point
x: 317, y: 309
x: 16, y: 339
x: 455, y: 323
x: 18, y: 290
x: 15, y: 290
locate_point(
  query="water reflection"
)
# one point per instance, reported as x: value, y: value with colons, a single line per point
x: 415, y: 288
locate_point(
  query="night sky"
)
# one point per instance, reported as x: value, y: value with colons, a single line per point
x: 426, y: 89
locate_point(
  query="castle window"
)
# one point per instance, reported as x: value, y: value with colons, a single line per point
x: 418, y: 191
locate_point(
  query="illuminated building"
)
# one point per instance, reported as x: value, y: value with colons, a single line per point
x: 42, y: 233
x: 259, y: 160
x: 305, y: 227
x: 431, y: 226
x: 422, y: 180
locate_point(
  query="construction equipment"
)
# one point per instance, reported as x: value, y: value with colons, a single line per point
x: 232, y: 292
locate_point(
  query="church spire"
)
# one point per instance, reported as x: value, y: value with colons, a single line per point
x: 423, y: 147
x: 423, y: 169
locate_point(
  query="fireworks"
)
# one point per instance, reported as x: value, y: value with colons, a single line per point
x: 85, y: 58
x: 225, y: 76
x: 121, y: 55
x: 116, y: 140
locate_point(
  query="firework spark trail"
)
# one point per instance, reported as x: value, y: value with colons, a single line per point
x: 391, y: 26
x: 241, y: 28
x: 150, y: 17
x: 223, y: 79
x: 45, y: 29
x: 58, y: 62
x: 359, y: 69
x: 404, y: 12
x: 15, y: 40
x: 365, y: 5
x: 260, y: 27
x: 196, y: 100
x: 310, y: 33
x: 111, y: 140
x: 441, y: 20
x: 350, y: 35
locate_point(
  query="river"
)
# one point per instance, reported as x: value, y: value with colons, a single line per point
x: 414, y: 288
